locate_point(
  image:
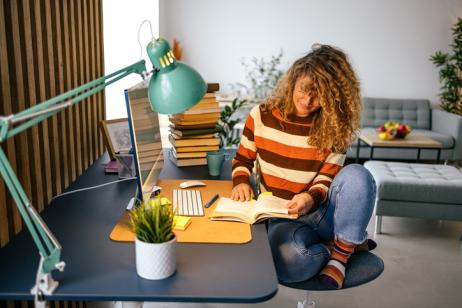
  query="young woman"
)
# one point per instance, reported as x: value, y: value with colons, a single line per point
x: 299, y: 137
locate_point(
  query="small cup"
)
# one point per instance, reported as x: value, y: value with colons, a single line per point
x: 215, y: 162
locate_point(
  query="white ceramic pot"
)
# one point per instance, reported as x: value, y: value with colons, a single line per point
x: 155, y: 260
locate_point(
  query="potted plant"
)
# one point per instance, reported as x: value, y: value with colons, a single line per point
x: 261, y: 76
x: 227, y: 122
x: 155, y: 242
x: 450, y: 65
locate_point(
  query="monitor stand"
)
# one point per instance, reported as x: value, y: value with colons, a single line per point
x: 156, y: 190
x: 130, y: 204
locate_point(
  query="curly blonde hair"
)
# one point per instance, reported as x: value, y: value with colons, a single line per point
x: 336, y: 86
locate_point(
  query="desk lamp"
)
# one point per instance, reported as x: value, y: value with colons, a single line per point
x: 173, y: 88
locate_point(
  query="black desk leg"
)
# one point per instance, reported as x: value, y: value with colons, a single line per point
x: 418, y: 155
x: 357, y: 151
x: 371, y: 153
x: 438, y: 156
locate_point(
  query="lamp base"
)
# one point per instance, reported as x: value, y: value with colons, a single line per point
x: 46, y: 284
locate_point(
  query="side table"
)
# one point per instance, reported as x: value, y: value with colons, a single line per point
x: 412, y: 141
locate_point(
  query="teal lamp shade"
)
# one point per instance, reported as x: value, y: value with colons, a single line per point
x: 174, y: 86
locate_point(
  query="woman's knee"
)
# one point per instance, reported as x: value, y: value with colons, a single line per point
x: 356, y: 175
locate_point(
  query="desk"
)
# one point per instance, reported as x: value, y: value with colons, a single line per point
x: 98, y: 269
x: 412, y: 141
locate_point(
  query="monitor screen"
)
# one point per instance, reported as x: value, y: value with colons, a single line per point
x: 146, y: 139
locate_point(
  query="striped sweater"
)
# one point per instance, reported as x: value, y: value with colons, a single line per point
x: 288, y: 165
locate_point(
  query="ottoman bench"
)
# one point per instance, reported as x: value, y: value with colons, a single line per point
x: 416, y: 190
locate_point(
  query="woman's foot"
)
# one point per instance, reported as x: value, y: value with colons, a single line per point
x: 333, y: 273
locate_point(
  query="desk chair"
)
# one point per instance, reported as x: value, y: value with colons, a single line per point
x: 362, y: 268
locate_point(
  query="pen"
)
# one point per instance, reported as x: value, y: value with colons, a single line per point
x: 210, y: 202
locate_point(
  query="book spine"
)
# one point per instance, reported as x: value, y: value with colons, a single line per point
x: 213, y: 87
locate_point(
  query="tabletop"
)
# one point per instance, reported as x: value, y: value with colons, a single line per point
x: 98, y: 269
x: 411, y: 141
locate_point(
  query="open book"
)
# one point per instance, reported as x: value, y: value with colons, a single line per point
x: 253, y: 211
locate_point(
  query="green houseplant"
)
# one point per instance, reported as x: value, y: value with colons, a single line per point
x: 261, y: 76
x: 228, y: 121
x: 155, y: 242
x: 450, y: 65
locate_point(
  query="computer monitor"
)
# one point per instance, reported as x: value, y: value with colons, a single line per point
x: 146, y: 139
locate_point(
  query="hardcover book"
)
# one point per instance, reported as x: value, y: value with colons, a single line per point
x: 187, y: 161
x: 193, y: 141
x: 202, y: 148
x: 188, y: 154
x: 192, y: 132
x: 266, y: 206
x: 195, y: 126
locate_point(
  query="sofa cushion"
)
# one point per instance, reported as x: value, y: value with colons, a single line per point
x: 415, y: 112
x: 447, y: 141
x: 416, y: 182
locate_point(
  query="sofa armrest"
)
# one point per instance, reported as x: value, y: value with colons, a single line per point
x: 450, y: 124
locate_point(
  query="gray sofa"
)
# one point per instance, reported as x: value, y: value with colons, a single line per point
x: 437, y: 124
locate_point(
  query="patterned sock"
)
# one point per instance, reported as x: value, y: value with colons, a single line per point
x: 333, y: 273
x: 367, y: 245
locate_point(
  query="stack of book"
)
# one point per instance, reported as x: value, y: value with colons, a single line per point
x: 193, y: 133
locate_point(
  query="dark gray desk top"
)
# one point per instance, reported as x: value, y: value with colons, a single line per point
x: 99, y: 269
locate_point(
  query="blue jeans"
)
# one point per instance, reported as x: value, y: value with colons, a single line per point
x: 297, y: 245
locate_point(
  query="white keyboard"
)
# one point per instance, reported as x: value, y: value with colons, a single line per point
x: 187, y: 203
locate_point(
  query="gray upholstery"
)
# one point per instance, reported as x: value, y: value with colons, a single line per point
x: 447, y: 141
x: 362, y: 268
x: 416, y: 190
x: 449, y: 124
x: 424, y: 210
x: 415, y: 112
x: 437, y: 124
x: 417, y: 182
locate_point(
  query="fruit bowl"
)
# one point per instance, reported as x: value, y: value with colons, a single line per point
x: 391, y: 130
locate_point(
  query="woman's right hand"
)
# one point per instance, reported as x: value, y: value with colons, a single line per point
x: 241, y: 192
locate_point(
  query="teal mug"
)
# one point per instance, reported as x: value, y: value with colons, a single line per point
x: 215, y: 161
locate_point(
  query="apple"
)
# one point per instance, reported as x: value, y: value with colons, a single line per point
x: 401, y: 132
x: 381, y: 129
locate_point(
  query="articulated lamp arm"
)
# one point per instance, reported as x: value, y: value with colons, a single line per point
x: 47, y: 244
x: 173, y: 88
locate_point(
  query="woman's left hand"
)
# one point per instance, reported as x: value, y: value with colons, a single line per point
x: 300, y: 204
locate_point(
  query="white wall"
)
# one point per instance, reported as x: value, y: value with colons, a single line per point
x: 389, y: 42
x: 121, y: 20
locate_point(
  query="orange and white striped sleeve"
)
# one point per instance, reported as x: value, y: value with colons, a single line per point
x: 320, y: 185
x: 246, y: 154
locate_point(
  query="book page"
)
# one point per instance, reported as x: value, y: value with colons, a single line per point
x: 271, y: 204
x: 243, y: 210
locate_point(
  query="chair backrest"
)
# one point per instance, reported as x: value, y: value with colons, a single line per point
x: 414, y: 112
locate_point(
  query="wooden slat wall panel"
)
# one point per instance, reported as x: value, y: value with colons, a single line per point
x: 42, y: 87
x: 100, y: 64
x: 4, y: 88
x: 75, y: 82
x: 14, y: 224
x: 67, y: 66
x: 48, y: 47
